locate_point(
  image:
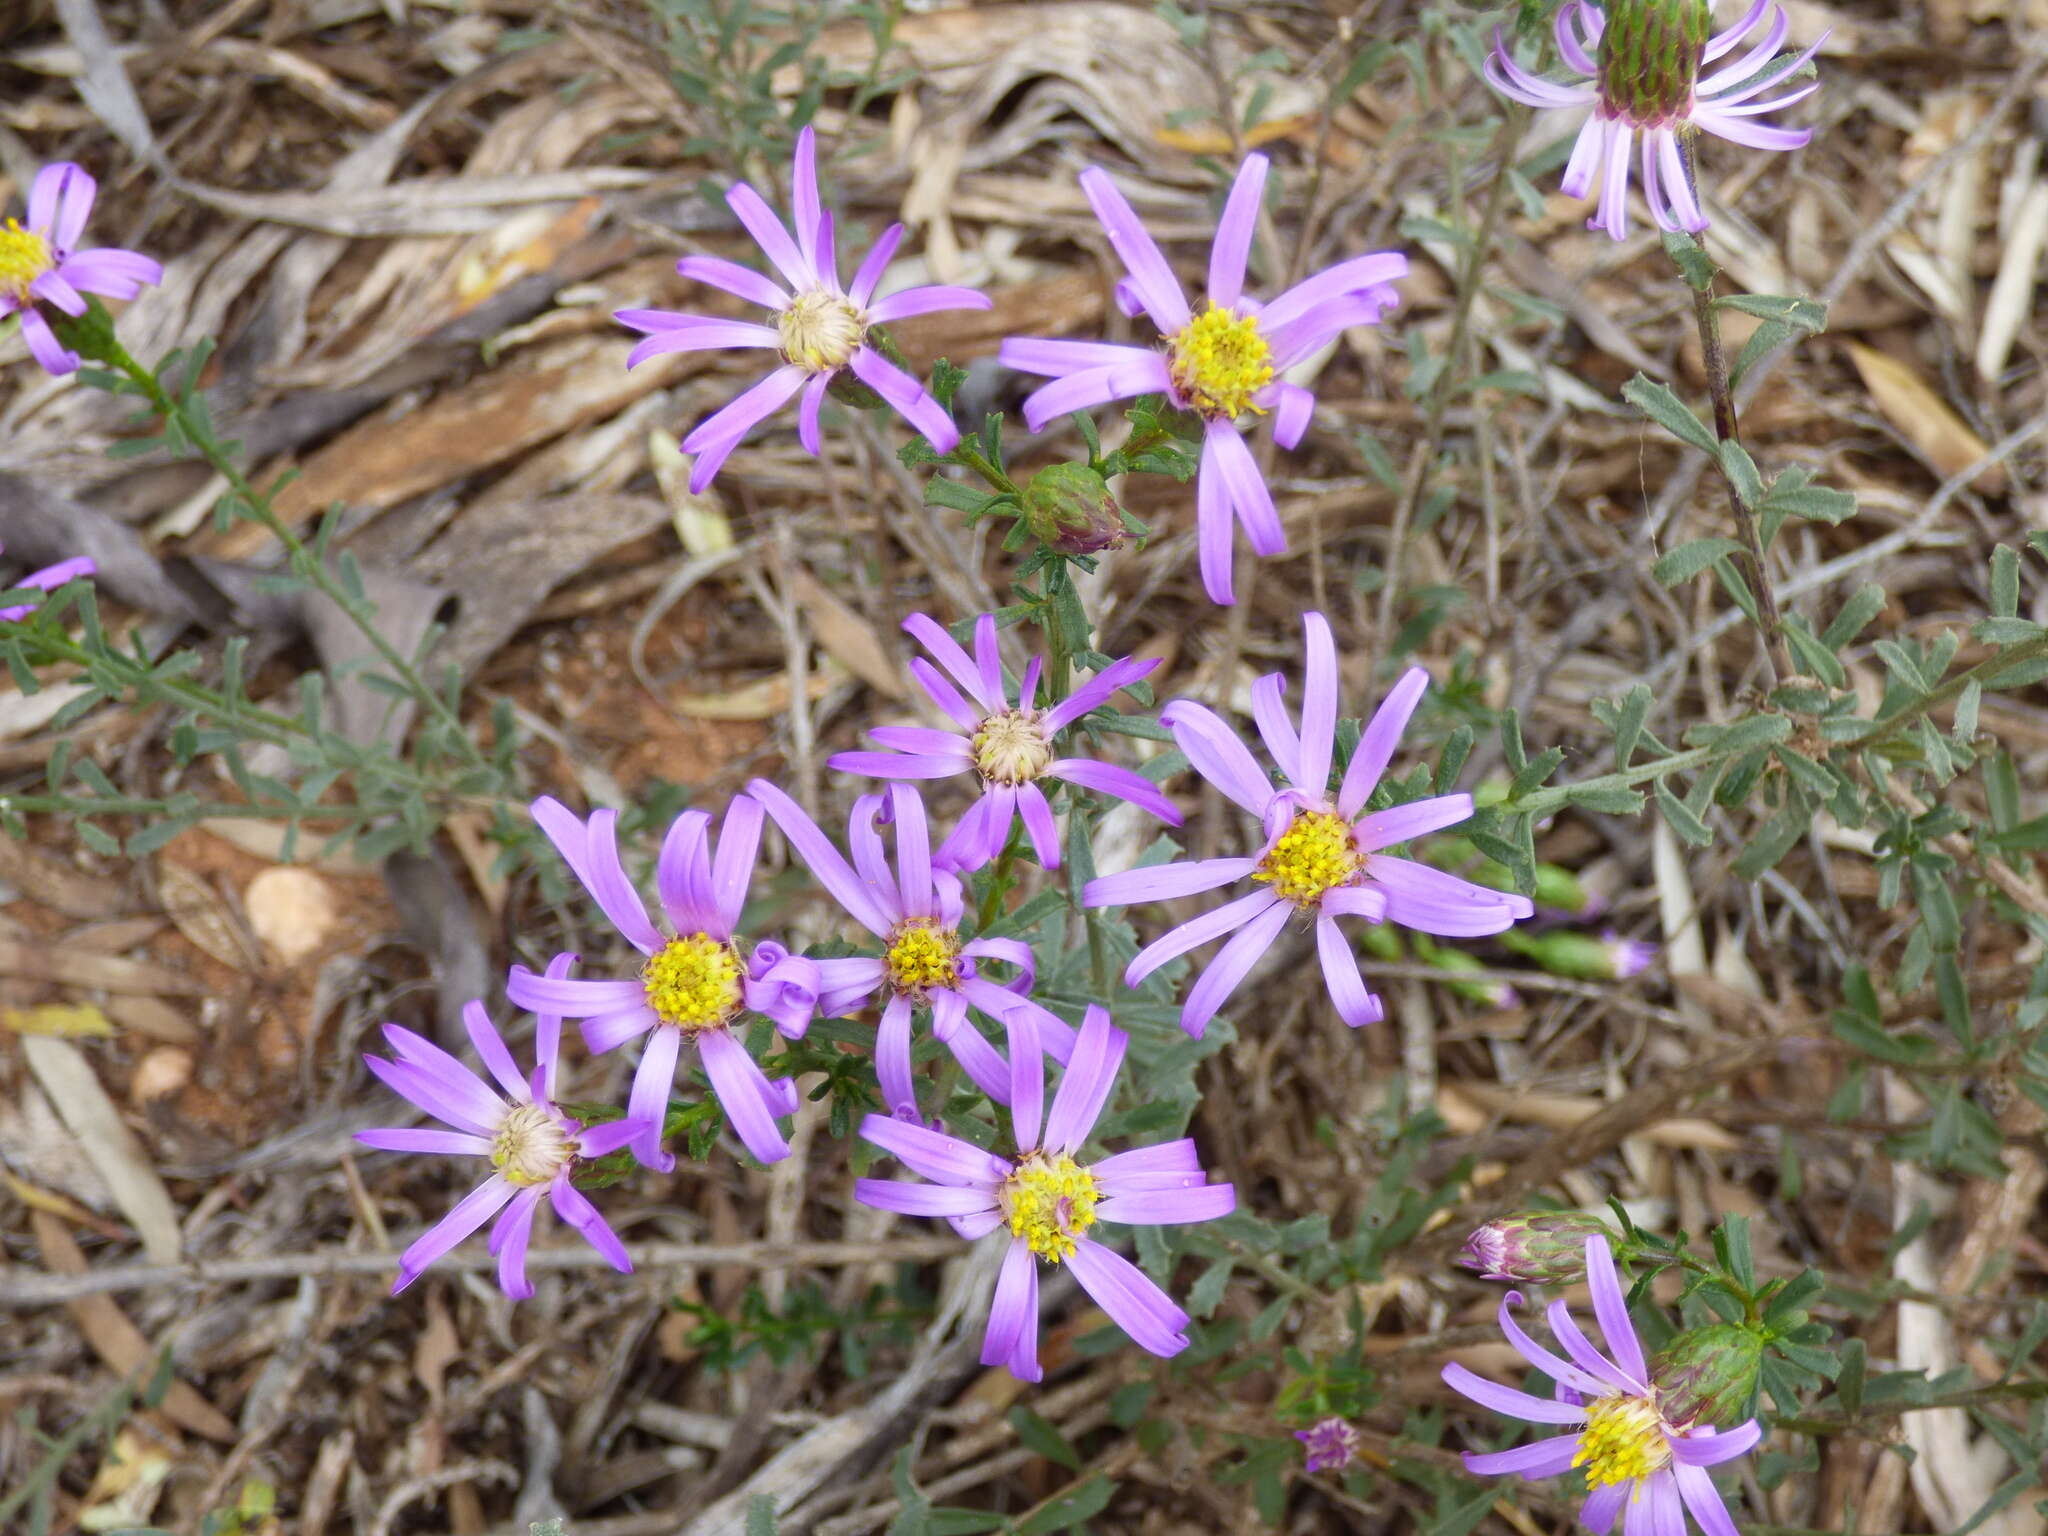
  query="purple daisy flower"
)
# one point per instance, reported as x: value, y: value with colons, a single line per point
x: 1633, y: 1458
x: 1008, y: 745
x: 1331, y: 1443
x: 1221, y: 364
x: 820, y: 327
x: 50, y: 577
x: 1639, y: 73
x: 532, y: 1146
x: 696, y: 984
x: 43, y: 262
x: 915, y: 911
x: 1048, y: 1200
x: 1321, y: 856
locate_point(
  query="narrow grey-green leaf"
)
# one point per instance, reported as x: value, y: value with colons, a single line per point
x: 1657, y: 402
x: 1688, y: 560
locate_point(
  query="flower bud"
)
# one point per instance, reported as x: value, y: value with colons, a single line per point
x: 1562, y: 952
x: 1650, y: 57
x: 1069, y: 508
x: 1331, y: 1444
x: 1534, y: 1247
x: 1707, y: 1375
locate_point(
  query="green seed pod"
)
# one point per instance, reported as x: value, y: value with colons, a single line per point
x: 1707, y: 1375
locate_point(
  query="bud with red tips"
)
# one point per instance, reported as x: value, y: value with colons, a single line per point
x: 1650, y: 54
x: 1068, y: 507
x: 1533, y: 1247
x: 1707, y: 1376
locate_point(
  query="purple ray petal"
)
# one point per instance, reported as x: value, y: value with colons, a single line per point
x: 1231, y: 965
x: 56, y: 359
x: 1057, y: 358
x: 982, y: 1062
x: 762, y: 223
x: 1197, y: 931
x: 923, y: 741
x: 1516, y: 1405
x: 893, y: 1072
x: 1376, y: 746
x: 653, y: 1080
x: 744, y: 1093
x: 602, y: 1140
x: 925, y: 301
x: 1216, y: 753
x: 713, y: 439
x: 921, y: 1199
x: 1553, y: 1365
x: 1708, y: 1448
x: 46, y: 192
x: 1602, y: 1505
x: 1318, y: 706
x: 1125, y: 784
x: 825, y: 861
x: 1132, y: 1299
x: 1542, y: 1458
x: 1754, y: 135
x: 1234, y: 231
x: 742, y: 282
x: 1167, y: 1207
x: 1418, y: 818
x: 454, y: 1143
x: 1517, y: 84
x: 1039, y: 825
x: 1180, y: 1158
x: 907, y: 397
x: 1354, y: 276
x: 690, y: 333
x: 1027, y: 1077
x: 1165, y: 882
x: 1580, y: 1348
x: 1151, y: 278
x: 1224, y: 453
x: 1293, y: 409
x: 958, y: 664
x: 122, y: 274
x: 475, y: 1208
x: 1215, y: 533
x: 808, y: 406
x: 805, y: 208
x: 454, y: 1084
x: 575, y: 1208
x: 1012, y: 1336
x: 510, y: 1237
x: 1117, y: 675
x: 1704, y: 1500
x: 934, y: 1155
x: 682, y: 875
x: 608, y: 1031
x: 739, y: 840
x: 869, y: 276
x: 1084, y: 1089
x: 490, y: 1049
x: 1144, y: 374
x: 1269, y: 712
x: 1355, y: 1004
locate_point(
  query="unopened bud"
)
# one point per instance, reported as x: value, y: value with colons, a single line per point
x: 1459, y: 968
x: 1650, y: 54
x: 1707, y: 1376
x: 1068, y: 507
x: 1534, y: 1247
x: 1331, y: 1443
x: 1562, y: 952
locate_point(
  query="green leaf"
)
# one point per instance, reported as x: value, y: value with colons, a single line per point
x: 1630, y: 711
x: 1742, y: 735
x: 1875, y: 1041
x: 1854, y: 616
x: 1807, y: 315
x: 1041, y: 1437
x: 1691, y: 259
x: 761, y: 1516
x: 1683, y: 820
x: 1732, y: 1248
x: 1083, y: 1501
x: 1777, y: 837
x: 1742, y: 473
x: 1607, y: 799
x: 1688, y: 560
x: 1657, y: 402
x: 1810, y: 653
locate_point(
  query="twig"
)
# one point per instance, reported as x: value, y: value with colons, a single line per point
x: 24, y: 1291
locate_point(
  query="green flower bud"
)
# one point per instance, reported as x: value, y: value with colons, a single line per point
x: 1534, y: 1247
x: 1562, y: 952
x: 1070, y: 509
x: 1707, y: 1375
x: 1650, y: 58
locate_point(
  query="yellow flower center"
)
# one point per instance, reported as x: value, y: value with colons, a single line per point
x: 1218, y: 361
x: 1315, y: 855
x: 1049, y: 1201
x: 1624, y: 1440
x: 922, y: 955
x: 693, y: 982
x: 821, y: 331
x: 24, y: 257
x: 531, y: 1146
x: 1010, y: 747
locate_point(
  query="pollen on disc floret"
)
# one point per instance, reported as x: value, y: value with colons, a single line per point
x: 1315, y: 855
x: 1624, y: 1440
x: 693, y: 982
x: 1010, y: 747
x: 923, y: 955
x: 24, y: 257
x: 821, y: 331
x: 1049, y: 1202
x: 1219, y: 360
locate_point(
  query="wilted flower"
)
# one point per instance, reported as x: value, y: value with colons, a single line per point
x: 42, y: 262
x: 1331, y: 1444
x: 915, y: 911
x: 1009, y: 746
x: 532, y: 1146
x: 1048, y: 1200
x: 1632, y: 1454
x: 49, y: 578
x: 821, y: 329
x: 1322, y: 857
x: 1533, y: 1247
x: 1638, y: 67
x: 696, y: 983
x: 1223, y: 364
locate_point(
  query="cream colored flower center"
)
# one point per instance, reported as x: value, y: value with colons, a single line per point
x: 1010, y: 747
x: 1623, y: 1440
x: 923, y: 955
x: 1314, y: 856
x: 1218, y: 361
x: 24, y: 257
x: 531, y: 1147
x: 821, y: 331
x: 693, y: 982
x: 1049, y: 1202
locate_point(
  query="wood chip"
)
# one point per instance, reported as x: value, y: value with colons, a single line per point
x: 292, y: 910
x: 39, y: 962
x: 1925, y: 419
x: 74, y: 1089
x: 202, y: 915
